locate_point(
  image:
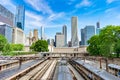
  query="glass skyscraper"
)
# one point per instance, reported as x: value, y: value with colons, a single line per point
x: 42, y: 33
x: 87, y: 33
x: 74, y: 32
x: 6, y: 31
x: 6, y: 16
x: 65, y: 34
x: 20, y: 17
x: 98, y: 28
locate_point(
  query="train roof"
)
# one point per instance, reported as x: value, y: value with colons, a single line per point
x: 102, y: 73
x: 114, y: 66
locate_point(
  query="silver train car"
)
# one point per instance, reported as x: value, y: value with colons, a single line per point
x: 114, y: 69
x: 89, y: 72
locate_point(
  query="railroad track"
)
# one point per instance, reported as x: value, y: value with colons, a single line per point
x: 43, y: 70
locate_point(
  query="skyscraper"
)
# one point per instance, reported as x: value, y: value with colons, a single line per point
x: 64, y: 30
x: 35, y: 34
x: 6, y: 31
x: 97, y: 28
x: 87, y: 33
x: 42, y: 33
x: 74, y: 32
x: 82, y: 37
x: 20, y: 17
x: 98, y: 25
x: 59, y: 40
x: 6, y: 16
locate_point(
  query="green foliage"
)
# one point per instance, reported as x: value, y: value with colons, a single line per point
x: 17, y: 47
x: 93, y: 47
x: 3, y: 42
x: 106, y: 43
x: 40, y: 46
x: 7, y: 48
x: 117, y: 48
x: 32, y: 46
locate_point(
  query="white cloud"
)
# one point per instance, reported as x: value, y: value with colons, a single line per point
x: 9, y: 5
x: 55, y: 16
x: 110, y: 1
x: 40, y: 5
x: 35, y: 20
x: 84, y: 3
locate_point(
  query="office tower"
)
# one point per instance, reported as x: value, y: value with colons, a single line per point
x: 50, y: 42
x: 35, y: 35
x: 42, y: 33
x: 89, y: 31
x: 30, y: 34
x: 6, y: 16
x: 59, y: 40
x: 98, y: 25
x: 74, y: 32
x: 82, y: 37
x: 18, y: 36
x: 69, y: 44
x: 6, y: 31
x: 20, y: 17
x: 65, y: 34
x: 97, y: 28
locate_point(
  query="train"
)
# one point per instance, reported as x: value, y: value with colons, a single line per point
x: 114, y: 69
x: 89, y: 72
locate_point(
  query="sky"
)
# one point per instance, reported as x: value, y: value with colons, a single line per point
x: 53, y: 14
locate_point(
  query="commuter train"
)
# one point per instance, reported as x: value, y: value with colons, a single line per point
x: 91, y: 73
x: 114, y: 69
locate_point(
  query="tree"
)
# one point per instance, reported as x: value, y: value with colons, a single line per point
x: 107, y: 39
x: 7, y: 48
x: 117, y: 48
x: 17, y: 47
x: 3, y: 42
x: 93, y: 47
x: 32, y: 46
x: 106, y: 43
x: 40, y: 46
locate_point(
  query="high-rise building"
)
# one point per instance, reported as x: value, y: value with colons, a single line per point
x: 50, y: 42
x: 64, y: 30
x: 82, y: 37
x: 97, y: 28
x: 6, y: 31
x: 59, y: 40
x: 35, y: 34
x: 6, y: 16
x: 42, y: 33
x: 98, y: 25
x: 87, y: 33
x: 74, y: 32
x: 18, y: 36
x: 20, y: 17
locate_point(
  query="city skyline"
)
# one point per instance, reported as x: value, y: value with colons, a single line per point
x: 53, y: 17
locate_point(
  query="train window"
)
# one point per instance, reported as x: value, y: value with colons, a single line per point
x: 119, y: 73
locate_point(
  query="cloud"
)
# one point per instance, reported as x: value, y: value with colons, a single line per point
x: 40, y: 5
x: 70, y: 2
x: 84, y: 3
x: 35, y: 20
x: 9, y: 5
x: 110, y: 1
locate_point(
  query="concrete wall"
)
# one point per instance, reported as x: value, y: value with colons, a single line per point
x: 71, y: 50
